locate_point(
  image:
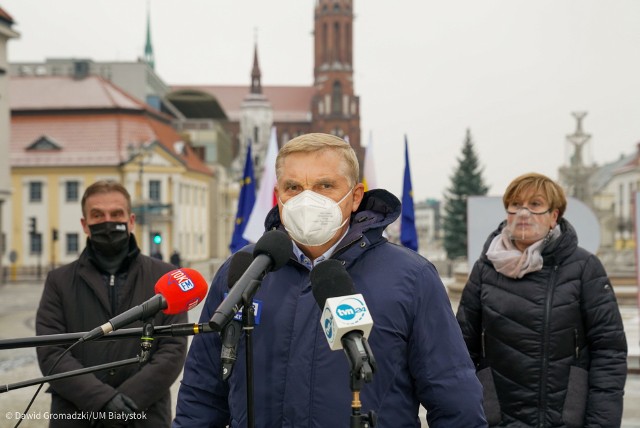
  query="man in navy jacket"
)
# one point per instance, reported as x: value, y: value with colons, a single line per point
x: 298, y: 381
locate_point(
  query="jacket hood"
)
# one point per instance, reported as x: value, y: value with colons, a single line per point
x: 554, y: 252
x: 378, y: 209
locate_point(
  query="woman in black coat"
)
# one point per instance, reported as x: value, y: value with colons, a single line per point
x: 541, y: 320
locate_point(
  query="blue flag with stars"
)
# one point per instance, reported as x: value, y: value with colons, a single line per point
x: 245, y: 204
x: 408, y: 234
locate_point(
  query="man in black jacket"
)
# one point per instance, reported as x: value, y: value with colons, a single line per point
x: 109, y: 277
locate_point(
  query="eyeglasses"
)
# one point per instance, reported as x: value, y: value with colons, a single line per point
x: 515, y: 208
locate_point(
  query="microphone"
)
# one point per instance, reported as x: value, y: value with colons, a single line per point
x: 177, y: 291
x: 230, y: 335
x: 272, y: 251
x: 345, y: 319
x: 345, y: 316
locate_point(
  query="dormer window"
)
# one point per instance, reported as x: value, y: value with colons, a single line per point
x: 44, y: 143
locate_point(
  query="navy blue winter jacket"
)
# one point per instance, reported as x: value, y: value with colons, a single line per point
x: 299, y: 382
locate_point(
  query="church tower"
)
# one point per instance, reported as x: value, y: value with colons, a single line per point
x: 256, y: 119
x: 148, y: 47
x: 335, y: 108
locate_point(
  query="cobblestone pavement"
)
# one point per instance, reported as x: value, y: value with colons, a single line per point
x: 18, y: 303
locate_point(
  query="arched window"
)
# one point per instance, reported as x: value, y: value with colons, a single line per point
x: 336, y: 98
x: 337, y: 52
x: 325, y: 43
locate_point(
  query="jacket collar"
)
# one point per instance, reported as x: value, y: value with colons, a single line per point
x: 555, y: 252
x: 378, y: 209
x: 97, y: 280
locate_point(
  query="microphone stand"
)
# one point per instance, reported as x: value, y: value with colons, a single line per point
x: 146, y: 342
x: 248, y: 322
x: 173, y: 330
x: 362, y: 366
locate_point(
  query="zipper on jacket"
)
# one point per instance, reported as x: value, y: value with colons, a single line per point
x: 575, y: 331
x: 344, y: 247
x: 482, y: 345
x: 112, y: 293
x: 542, y: 396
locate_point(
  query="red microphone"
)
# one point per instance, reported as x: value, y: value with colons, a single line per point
x: 177, y: 291
x: 183, y: 289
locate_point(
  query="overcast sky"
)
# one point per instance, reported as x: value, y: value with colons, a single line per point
x: 510, y: 70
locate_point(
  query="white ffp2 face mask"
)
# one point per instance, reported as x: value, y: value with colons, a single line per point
x: 312, y: 219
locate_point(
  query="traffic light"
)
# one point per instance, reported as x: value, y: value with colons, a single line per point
x: 157, y: 238
x: 32, y: 226
x: 54, y: 234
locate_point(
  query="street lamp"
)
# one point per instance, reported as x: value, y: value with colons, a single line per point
x: 141, y: 151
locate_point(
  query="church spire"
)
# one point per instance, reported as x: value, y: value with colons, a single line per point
x: 256, y: 86
x: 148, y: 48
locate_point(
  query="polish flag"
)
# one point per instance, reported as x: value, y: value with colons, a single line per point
x: 266, y: 198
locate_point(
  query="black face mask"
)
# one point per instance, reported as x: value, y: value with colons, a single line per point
x: 109, y: 238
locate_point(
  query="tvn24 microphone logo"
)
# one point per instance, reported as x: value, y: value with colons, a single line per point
x: 350, y: 311
x: 328, y: 324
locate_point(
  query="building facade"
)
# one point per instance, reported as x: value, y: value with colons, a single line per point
x: 69, y: 131
x: 6, y: 33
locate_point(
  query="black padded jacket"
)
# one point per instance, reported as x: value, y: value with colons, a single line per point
x: 550, y: 347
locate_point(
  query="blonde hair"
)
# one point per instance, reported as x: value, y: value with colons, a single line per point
x: 533, y: 181
x: 315, y: 142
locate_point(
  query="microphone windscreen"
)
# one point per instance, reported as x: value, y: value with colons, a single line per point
x: 330, y: 279
x: 240, y: 262
x: 275, y: 244
x: 182, y: 288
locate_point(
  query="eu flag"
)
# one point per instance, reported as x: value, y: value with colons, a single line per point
x: 408, y: 234
x: 245, y: 204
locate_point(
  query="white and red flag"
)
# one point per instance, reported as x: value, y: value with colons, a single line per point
x: 266, y: 198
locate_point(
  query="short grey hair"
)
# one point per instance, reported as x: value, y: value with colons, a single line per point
x: 315, y: 142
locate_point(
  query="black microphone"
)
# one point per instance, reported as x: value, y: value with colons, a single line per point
x: 231, y: 333
x: 272, y: 251
x: 345, y: 319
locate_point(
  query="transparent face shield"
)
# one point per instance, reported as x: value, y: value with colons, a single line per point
x: 524, y: 224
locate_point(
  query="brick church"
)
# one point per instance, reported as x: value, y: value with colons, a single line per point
x: 329, y: 106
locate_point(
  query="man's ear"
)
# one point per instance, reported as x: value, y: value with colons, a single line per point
x: 358, y: 194
x: 132, y: 222
x: 85, y: 226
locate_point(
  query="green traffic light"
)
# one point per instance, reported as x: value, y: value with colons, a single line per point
x: 157, y: 239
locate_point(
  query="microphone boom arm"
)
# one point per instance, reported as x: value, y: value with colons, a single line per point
x: 173, y: 330
x: 146, y: 342
x: 12, y: 386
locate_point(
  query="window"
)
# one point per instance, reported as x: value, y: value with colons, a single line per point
x: 71, y: 191
x: 336, y: 98
x: 154, y: 190
x: 72, y: 243
x: 337, y: 52
x: 35, y: 191
x: 44, y: 143
x: 35, y: 243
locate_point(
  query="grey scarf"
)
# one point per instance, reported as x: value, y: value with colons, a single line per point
x: 510, y: 261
